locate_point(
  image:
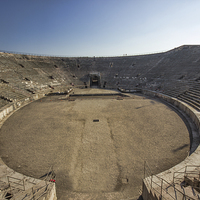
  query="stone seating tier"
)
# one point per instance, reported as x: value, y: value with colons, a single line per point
x: 146, y: 71
x: 190, y: 101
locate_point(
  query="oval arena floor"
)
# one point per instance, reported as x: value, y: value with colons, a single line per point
x: 97, y: 145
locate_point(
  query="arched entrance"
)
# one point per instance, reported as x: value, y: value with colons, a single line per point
x: 95, y: 80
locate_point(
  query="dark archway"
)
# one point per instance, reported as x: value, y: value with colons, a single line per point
x: 95, y: 80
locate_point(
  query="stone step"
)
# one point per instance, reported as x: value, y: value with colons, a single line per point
x: 195, y: 90
x: 196, y: 95
x: 189, y: 102
x: 191, y: 97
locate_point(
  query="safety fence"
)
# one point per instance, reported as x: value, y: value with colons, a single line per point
x: 18, y: 189
x: 49, y: 55
x: 161, y: 188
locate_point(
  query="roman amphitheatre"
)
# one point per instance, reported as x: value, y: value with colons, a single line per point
x: 100, y: 127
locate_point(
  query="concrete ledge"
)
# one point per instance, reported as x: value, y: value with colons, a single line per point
x: 11, y: 107
x: 193, y: 159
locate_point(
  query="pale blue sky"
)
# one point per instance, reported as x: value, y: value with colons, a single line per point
x: 98, y: 27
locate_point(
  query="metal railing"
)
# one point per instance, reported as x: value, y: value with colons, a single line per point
x: 34, y: 193
x: 161, y: 187
x: 16, y: 182
x: 49, y: 55
x: 189, y: 172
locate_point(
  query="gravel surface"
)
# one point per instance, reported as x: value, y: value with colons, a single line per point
x: 100, y: 159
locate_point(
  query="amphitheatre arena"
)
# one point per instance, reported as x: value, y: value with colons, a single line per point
x: 103, y: 128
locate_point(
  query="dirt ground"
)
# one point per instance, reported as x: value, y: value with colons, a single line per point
x: 100, y: 159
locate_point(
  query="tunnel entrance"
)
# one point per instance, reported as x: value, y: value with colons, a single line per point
x: 95, y: 80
